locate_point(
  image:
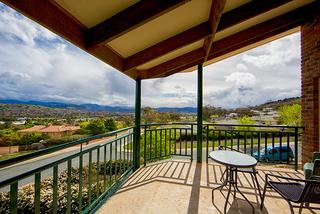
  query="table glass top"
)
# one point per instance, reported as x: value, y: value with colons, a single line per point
x: 233, y: 158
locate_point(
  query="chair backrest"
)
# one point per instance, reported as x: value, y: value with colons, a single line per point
x: 316, y: 155
x: 311, y: 192
x: 316, y: 167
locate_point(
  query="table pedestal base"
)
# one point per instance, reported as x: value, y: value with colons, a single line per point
x: 231, y: 181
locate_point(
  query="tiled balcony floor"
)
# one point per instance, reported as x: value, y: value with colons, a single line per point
x: 181, y: 186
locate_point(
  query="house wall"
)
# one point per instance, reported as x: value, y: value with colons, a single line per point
x: 310, y: 74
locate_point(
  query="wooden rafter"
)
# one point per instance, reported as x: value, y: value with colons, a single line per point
x: 128, y: 19
x: 174, y: 64
x: 236, y: 41
x: 201, y: 31
x: 214, y: 19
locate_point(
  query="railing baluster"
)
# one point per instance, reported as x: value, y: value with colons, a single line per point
x: 104, y: 167
x: 120, y: 154
x: 207, y: 145
x: 219, y: 138
x: 80, y: 183
x: 37, y: 190
x: 272, y: 135
x: 69, y: 187
x: 231, y: 138
x: 55, y: 190
x: 161, y: 152
x: 90, y: 176
x: 116, y: 160
x: 213, y: 141
x: 110, y: 162
x: 296, y: 148
x: 259, y: 142
x: 288, y: 146
x: 170, y: 141
x: 265, y: 146
x: 175, y: 141
x: 145, y: 146
x: 150, y: 144
x: 14, y: 198
x: 225, y: 139
x: 245, y: 142
x: 165, y: 142
x: 280, y: 149
x: 98, y: 173
x: 191, y: 142
x: 186, y: 142
x: 238, y: 140
x: 156, y: 144
x: 251, y: 149
x: 180, y: 140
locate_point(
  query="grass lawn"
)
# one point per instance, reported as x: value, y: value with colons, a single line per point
x: 13, y: 155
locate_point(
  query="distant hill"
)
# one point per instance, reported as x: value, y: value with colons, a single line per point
x: 278, y: 103
x: 19, y: 108
x: 95, y: 107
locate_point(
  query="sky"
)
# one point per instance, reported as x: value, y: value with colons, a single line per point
x: 36, y: 64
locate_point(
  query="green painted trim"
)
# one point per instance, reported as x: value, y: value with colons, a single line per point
x: 199, y: 113
x: 136, y: 143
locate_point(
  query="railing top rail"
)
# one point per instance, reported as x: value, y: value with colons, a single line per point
x: 45, y: 151
x: 49, y: 165
x: 221, y: 124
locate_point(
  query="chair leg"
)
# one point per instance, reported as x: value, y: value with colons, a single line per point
x: 300, y: 208
x: 254, y: 185
x: 258, y: 186
x: 263, y: 195
x: 291, y: 207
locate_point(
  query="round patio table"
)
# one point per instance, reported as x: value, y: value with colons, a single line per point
x: 233, y: 160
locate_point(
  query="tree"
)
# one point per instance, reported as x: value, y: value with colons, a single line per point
x: 149, y: 115
x: 95, y: 127
x: 245, y: 120
x: 110, y: 124
x: 290, y: 115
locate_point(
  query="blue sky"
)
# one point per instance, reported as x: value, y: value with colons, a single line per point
x: 35, y: 64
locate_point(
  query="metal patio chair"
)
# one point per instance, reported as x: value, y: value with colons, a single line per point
x: 298, y: 191
x: 312, y: 168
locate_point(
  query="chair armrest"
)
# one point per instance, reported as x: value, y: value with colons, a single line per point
x: 286, y: 178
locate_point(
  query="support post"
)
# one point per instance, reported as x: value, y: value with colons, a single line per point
x: 136, y: 147
x: 199, y: 115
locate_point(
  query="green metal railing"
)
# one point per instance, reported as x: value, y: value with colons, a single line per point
x: 82, y: 181
x: 280, y: 143
x: 45, y: 151
x: 78, y: 183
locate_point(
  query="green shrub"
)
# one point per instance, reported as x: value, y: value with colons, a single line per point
x: 26, y: 193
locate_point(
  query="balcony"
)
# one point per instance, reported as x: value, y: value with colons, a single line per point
x: 82, y: 181
x: 184, y: 186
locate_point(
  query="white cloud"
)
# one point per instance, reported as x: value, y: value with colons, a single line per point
x: 241, y: 80
x: 35, y: 64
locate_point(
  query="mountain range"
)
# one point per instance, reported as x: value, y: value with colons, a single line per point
x: 94, y: 107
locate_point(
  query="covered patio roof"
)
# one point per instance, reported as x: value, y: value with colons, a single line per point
x: 157, y: 38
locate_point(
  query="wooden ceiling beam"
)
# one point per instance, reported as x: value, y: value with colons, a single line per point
x: 129, y: 19
x: 173, y: 64
x: 182, y: 39
x: 236, y: 41
x: 201, y: 31
x: 214, y: 19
